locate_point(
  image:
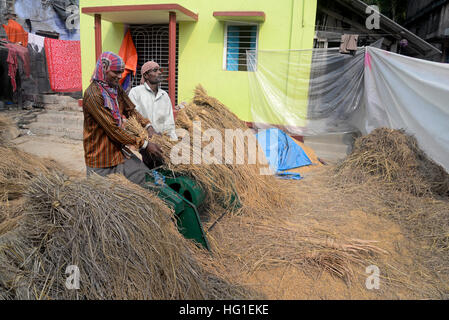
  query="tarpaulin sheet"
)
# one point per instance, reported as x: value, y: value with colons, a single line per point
x: 282, y: 152
x: 64, y: 64
x: 410, y: 94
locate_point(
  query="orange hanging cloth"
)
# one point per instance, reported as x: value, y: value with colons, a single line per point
x: 16, y: 33
x: 128, y: 53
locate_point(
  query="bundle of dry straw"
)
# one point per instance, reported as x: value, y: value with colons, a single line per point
x: 121, y: 237
x: 17, y: 168
x: 134, y: 128
x: 394, y: 158
x: 221, y: 180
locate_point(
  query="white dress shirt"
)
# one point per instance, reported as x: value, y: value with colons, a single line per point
x: 156, y: 108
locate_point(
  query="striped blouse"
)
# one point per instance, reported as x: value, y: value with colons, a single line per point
x: 102, y: 138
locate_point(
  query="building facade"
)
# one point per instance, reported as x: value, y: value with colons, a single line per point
x: 198, y: 41
x: 429, y: 19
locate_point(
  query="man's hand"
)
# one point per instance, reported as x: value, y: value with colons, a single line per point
x: 154, y: 149
x: 151, y: 132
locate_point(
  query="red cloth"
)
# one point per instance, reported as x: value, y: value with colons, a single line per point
x: 15, y: 50
x: 16, y: 33
x: 12, y: 67
x: 128, y: 53
x: 64, y: 64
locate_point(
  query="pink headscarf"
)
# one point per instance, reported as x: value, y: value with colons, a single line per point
x: 109, y: 61
x: 147, y: 66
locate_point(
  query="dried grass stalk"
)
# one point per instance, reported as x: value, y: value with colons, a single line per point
x: 397, y: 178
x: 135, y: 128
x: 6, y: 125
x: 122, y: 238
x: 17, y: 168
x: 269, y: 243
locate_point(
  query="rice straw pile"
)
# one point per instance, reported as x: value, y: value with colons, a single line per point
x: 121, y: 237
x: 394, y: 158
x: 6, y: 124
x: 17, y: 168
x: 257, y: 193
x: 398, y: 179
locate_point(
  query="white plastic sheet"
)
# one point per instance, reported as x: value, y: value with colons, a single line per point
x: 320, y: 91
x: 410, y: 94
x: 307, y: 92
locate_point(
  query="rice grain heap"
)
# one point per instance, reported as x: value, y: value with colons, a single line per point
x: 121, y: 237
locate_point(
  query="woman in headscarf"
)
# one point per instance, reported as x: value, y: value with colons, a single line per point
x: 105, y: 107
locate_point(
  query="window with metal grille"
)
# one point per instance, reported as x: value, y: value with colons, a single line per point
x: 239, y: 39
x: 151, y: 42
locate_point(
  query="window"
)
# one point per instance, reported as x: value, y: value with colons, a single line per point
x: 239, y: 39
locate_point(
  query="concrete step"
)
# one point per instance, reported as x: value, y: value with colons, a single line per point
x: 42, y: 129
x: 330, y: 157
x: 333, y: 138
x: 74, y: 107
x: 61, y: 119
x: 329, y: 147
x: 329, y: 152
x: 54, y: 99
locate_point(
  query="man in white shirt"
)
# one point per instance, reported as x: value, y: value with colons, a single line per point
x: 152, y: 102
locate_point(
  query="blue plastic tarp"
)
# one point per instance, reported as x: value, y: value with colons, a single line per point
x: 282, y: 152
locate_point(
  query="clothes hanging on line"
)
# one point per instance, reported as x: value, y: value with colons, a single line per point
x: 38, y: 82
x: 64, y: 64
x: 16, y: 52
x: 36, y: 41
x: 6, y: 92
x: 128, y: 53
x: 16, y: 33
x: 349, y: 43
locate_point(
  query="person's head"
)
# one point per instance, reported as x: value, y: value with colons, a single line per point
x: 109, y: 69
x: 151, y: 73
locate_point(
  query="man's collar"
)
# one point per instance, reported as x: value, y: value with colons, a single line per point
x: 159, y: 91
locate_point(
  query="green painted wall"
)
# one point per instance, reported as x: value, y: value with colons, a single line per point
x: 289, y: 24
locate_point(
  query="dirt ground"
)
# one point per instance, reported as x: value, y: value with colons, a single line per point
x: 403, y: 271
x: 69, y: 153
